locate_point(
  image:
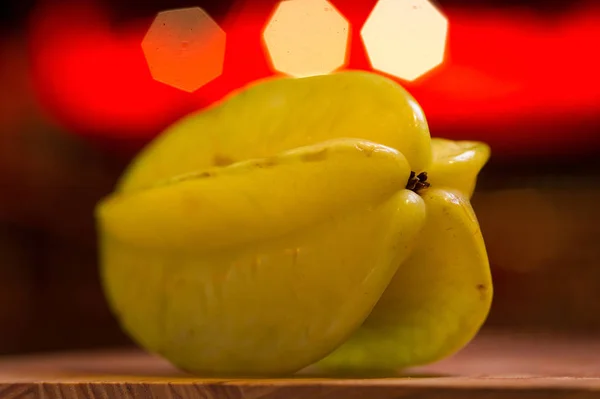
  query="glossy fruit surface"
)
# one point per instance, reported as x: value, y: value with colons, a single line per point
x: 274, y: 231
x: 437, y: 300
x: 234, y: 277
x: 276, y: 115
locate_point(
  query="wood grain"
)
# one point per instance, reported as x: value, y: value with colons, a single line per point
x: 493, y: 366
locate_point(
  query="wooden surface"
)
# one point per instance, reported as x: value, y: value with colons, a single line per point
x: 493, y: 366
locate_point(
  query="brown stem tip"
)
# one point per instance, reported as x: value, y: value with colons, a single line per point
x: 417, y: 182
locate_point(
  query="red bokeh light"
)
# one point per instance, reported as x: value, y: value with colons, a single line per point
x: 95, y: 79
x: 514, y: 79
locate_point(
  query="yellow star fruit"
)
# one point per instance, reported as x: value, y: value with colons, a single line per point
x: 293, y: 224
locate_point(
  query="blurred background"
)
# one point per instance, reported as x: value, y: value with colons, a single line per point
x: 78, y: 100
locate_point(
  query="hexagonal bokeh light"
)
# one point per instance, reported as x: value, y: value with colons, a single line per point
x: 307, y: 38
x: 405, y: 38
x: 184, y: 48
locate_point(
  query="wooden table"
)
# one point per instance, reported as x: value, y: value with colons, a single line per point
x: 493, y: 366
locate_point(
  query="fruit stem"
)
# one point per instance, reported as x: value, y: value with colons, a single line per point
x: 417, y: 182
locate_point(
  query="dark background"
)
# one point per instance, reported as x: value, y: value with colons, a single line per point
x: 69, y: 123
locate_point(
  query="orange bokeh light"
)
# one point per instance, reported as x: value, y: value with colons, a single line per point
x: 405, y: 38
x: 307, y: 38
x: 184, y: 48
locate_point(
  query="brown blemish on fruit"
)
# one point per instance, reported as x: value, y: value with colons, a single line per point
x: 186, y: 177
x: 315, y: 156
x: 266, y: 163
x: 222, y: 160
x: 482, y: 291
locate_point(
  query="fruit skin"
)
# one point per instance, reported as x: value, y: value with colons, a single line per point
x: 456, y: 164
x: 436, y: 302
x: 199, y: 288
x: 246, y: 206
x: 281, y: 114
x: 437, y: 281
x: 225, y: 296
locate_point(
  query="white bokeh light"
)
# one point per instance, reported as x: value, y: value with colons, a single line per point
x: 405, y: 38
x: 306, y: 38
